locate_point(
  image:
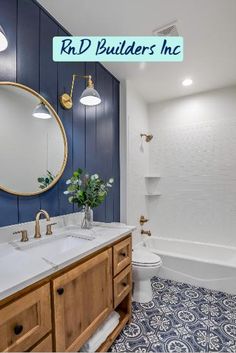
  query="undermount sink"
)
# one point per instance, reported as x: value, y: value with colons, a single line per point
x: 56, y: 246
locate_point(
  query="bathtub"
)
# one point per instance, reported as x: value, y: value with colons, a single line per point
x: 200, y: 264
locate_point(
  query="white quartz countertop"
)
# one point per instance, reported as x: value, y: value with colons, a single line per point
x: 22, y: 264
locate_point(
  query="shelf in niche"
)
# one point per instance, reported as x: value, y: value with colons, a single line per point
x: 152, y: 177
x: 150, y: 195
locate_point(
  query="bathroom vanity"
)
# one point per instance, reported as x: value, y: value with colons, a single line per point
x: 58, y: 288
x: 61, y: 310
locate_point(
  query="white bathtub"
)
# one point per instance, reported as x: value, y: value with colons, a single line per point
x: 204, y: 265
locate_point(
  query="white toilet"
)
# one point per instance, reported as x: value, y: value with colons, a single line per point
x: 145, y: 265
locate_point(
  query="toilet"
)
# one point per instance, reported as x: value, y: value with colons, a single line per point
x: 145, y: 265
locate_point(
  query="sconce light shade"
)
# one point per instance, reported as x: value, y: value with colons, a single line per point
x: 3, y: 40
x: 90, y: 97
x: 41, y: 112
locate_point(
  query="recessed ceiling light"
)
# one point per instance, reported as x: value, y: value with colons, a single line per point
x: 187, y: 82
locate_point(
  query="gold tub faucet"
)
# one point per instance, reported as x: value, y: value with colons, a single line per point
x: 37, y: 233
x: 147, y: 232
x: 143, y: 220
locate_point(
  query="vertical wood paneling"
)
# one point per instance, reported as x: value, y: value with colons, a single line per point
x: 65, y: 72
x: 92, y: 132
x: 28, y: 44
x: 28, y: 74
x: 8, y: 209
x: 108, y: 145
x: 48, y: 68
x: 79, y: 126
x: 8, y: 19
x: 100, y: 211
x: 91, y: 127
x: 116, y: 150
x: 48, y: 88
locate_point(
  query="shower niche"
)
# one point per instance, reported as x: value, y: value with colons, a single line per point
x: 152, y: 185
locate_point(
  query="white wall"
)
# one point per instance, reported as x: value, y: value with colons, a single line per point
x: 137, y: 157
x: 194, y: 150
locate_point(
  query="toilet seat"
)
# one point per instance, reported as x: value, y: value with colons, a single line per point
x: 145, y: 258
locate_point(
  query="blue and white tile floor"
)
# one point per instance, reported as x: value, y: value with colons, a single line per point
x: 181, y: 318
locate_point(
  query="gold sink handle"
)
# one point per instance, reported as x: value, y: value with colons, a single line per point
x: 24, y: 235
x: 49, y: 228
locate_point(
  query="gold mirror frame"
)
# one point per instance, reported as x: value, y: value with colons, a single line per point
x: 56, y: 116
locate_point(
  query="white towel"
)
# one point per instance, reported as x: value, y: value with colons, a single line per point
x: 101, y: 333
x: 102, y: 338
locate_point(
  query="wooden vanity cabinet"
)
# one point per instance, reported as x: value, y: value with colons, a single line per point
x: 25, y: 321
x: 82, y: 300
x: 62, y: 312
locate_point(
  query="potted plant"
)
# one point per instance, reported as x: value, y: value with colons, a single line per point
x: 87, y: 191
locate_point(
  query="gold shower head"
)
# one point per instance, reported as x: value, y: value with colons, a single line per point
x: 148, y: 138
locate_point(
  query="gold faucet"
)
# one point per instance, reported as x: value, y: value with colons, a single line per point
x: 147, y: 232
x: 37, y: 233
x: 143, y: 220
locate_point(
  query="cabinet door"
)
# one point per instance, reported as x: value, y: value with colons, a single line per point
x: 25, y: 321
x: 82, y: 300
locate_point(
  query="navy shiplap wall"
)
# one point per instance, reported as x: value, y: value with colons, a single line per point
x: 92, y: 132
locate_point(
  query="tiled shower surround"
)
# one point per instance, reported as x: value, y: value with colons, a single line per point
x: 181, y: 318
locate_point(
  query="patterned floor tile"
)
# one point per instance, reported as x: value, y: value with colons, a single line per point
x: 181, y: 318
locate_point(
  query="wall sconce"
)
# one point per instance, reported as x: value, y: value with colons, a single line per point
x: 41, y: 112
x: 89, y: 96
x: 3, y: 39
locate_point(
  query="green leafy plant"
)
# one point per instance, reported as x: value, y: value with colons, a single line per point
x: 45, y: 181
x: 87, y: 190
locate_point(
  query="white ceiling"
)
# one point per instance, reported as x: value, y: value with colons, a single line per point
x: 208, y: 28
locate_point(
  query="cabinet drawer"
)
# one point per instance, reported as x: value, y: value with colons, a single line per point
x: 44, y: 346
x: 122, y: 285
x: 121, y: 255
x: 25, y: 321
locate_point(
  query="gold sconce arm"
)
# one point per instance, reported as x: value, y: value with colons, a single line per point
x: 66, y: 99
x: 72, y: 85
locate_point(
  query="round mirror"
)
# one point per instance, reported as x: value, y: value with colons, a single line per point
x: 33, y: 145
